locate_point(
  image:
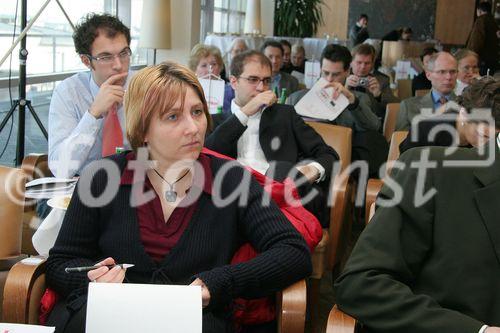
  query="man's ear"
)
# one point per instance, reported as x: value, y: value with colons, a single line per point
x: 86, y: 61
x: 233, y: 80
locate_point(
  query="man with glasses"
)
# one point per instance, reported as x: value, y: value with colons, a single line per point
x: 268, y: 137
x: 442, y: 72
x: 86, y: 119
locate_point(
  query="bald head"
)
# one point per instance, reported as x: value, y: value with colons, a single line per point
x: 442, y: 72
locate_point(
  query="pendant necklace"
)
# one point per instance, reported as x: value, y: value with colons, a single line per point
x: 171, y: 195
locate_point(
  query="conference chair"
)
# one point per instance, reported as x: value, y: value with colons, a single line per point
x: 340, y: 322
x: 26, y: 284
x: 12, y: 183
x: 327, y: 253
x: 404, y: 89
x: 391, y: 115
x: 421, y: 92
x: 34, y: 166
x: 374, y: 185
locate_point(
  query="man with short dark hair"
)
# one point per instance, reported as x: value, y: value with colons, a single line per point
x: 287, y: 54
x: 442, y: 72
x: 483, y: 38
x: 421, y: 82
x: 280, y: 79
x: 366, y: 79
x: 271, y: 138
x: 429, y: 260
x: 359, y: 32
x: 86, y: 118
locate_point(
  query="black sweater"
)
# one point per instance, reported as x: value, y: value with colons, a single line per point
x: 204, y: 250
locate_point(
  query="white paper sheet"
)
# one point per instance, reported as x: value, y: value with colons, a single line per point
x: 214, y: 93
x: 318, y: 103
x: 403, y: 69
x: 127, y: 307
x: 45, y: 236
x: 312, y: 72
x: 21, y: 328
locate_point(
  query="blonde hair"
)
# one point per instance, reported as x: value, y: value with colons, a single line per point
x: 201, y: 51
x: 154, y: 90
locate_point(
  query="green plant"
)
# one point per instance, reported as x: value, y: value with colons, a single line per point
x: 297, y: 18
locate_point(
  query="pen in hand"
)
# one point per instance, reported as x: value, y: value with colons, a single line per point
x: 91, y: 268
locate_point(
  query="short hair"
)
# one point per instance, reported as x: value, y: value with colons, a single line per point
x: 484, y: 6
x: 434, y: 57
x: 89, y: 28
x: 483, y: 93
x: 287, y: 43
x: 336, y: 53
x: 272, y: 43
x: 239, y: 62
x: 427, y: 51
x: 362, y: 16
x: 364, y: 49
x: 238, y: 40
x: 464, y: 53
x: 298, y: 48
x: 154, y: 90
x: 201, y: 51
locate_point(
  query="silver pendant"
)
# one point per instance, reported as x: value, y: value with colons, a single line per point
x: 170, y: 196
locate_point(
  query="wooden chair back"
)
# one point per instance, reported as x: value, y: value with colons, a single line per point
x: 421, y: 92
x: 337, y: 137
x: 391, y: 115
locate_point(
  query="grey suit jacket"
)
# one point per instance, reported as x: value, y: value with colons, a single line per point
x: 431, y: 267
x: 360, y: 118
x: 412, y: 107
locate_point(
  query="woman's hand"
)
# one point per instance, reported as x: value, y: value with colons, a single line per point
x: 205, y: 293
x: 104, y: 274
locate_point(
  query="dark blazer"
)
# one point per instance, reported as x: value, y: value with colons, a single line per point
x: 420, y: 82
x: 484, y: 41
x: 205, y: 249
x: 434, y: 267
x: 284, y: 138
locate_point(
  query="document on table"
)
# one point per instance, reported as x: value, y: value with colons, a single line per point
x: 152, y: 308
x: 21, y: 328
x: 318, y: 103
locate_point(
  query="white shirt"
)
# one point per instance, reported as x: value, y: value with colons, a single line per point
x: 250, y: 151
x: 459, y: 87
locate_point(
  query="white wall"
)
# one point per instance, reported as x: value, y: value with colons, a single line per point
x: 267, y: 16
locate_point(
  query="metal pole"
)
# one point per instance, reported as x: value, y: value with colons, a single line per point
x: 23, y: 55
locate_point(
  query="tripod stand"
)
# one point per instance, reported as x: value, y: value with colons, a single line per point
x: 22, y: 103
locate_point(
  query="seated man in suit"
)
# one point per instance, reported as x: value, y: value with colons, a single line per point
x: 366, y: 79
x: 280, y: 79
x: 334, y: 61
x: 367, y: 143
x: 359, y: 32
x: 421, y: 82
x: 271, y: 138
x: 430, y: 261
x: 442, y: 72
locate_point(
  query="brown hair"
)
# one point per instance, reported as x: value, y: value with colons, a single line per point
x: 364, y: 49
x: 238, y: 63
x: 153, y: 91
x: 464, y: 53
x: 483, y: 93
x: 201, y: 51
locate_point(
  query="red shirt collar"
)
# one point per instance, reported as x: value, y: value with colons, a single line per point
x: 128, y: 174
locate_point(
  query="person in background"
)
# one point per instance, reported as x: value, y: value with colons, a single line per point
x: 237, y: 46
x: 181, y: 236
x: 287, y: 66
x: 298, y: 58
x: 205, y: 59
x: 468, y: 69
x: 269, y: 137
x: 359, y: 31
x: 280, y: 80
x: 403, y: 33
x: 442, y: 72
x: 86, y: 118
x: 366, y: 79
x: 421, y: 82
x: 477, y: 97
x: 483, y: 39
x: 428, y: 261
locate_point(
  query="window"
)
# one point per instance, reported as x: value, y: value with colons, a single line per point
x: 222, y: 16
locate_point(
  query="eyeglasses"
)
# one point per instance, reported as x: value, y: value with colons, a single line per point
x: 470, y: 68
x: 109, y: 58
x: 255, y: 80
x: 443, y: 72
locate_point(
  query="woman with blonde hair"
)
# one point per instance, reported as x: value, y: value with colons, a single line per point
x: 204, y: 58
x: 468, y: 69
x: 174, y: 217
